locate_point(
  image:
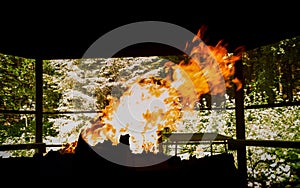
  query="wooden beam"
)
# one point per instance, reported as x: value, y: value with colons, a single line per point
x: 40, y: 146
x: 195, y: 137
x: 240, y: 125
x: 39, y: 103
x: 235, y: 144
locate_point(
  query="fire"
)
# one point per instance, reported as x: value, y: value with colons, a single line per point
x: 152, y: 104
x: 211, y: 64
x: 142, y: 112
x: 68, y: 148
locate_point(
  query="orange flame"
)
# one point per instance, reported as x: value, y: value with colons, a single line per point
x: 153, y: 104
x: 211, y: 64
x: 68, y: 148
x: 142, y: 112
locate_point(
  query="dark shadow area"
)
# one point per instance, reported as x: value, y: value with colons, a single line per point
x: 217, y: 170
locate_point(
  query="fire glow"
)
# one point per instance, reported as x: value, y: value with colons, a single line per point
x: 152, y: 104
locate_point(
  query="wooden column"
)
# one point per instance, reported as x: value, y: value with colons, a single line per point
x: 240, y: 125
x: 39, y: 103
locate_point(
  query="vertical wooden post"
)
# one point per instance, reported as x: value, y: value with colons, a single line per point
x: 240, y: 125
x: 39, y: 103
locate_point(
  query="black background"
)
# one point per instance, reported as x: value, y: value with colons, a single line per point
x: 52, y: 31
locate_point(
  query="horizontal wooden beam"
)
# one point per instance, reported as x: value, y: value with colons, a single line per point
x: 195, y: 137
x: 234, y: 144
x: 40, y: 146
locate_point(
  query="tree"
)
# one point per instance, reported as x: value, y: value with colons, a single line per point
x: 17, y: 94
